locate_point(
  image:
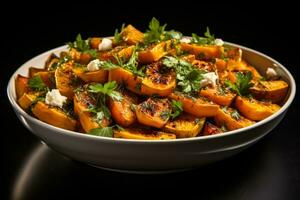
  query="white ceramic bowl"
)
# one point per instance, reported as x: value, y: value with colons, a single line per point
x: 152, y: 156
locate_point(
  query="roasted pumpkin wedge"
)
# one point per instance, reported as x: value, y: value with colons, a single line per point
x: 143, y: 134
x: 47, y: 77
x: 154, y: 112
x: 200, y: 107
x: 202, y: 52
x: 81, y: 57
x: 99, y: 76
x: 155, y: 52
x: 26, y: 100
x: 210, y: 129
x: 157, y: 81
x: 53, y: 115
x: 94, y: 42
x: 254, y: 109
x: 88, y: 120
x: 221, y: 65
x: 231, y: 119
x: 34, y: 70
x: 65, y: 79
x: 218, y: 95
x: 50, y: 62
x: 21, y: 85
x: 122, y: 52
x: 122, y: 76
x: 131, y: 35
x: 234, y: 54
x: 274, y: 90
x: 123, y: 111
x: 185, y: 126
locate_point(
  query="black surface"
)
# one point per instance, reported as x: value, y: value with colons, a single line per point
x: 30, y: 170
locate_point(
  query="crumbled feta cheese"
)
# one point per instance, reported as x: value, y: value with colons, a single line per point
x: 209, y: 78
x: 185, y: 40
x: 271, y: 73
x: 106, y: 44
x: 219, y: 42
x: 54, y: 98
x: 94, y: 65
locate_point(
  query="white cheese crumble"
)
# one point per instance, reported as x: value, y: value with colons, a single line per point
x: 209, y: 78
x: 185, y: 40
x: 106, y: 44
x: 219, y: 42
x: 94, y: 65
x: 54, y: 98
x: 271, y: 73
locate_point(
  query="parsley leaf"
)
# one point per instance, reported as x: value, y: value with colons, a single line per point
x: 36, y: 83
x: 104, y: 132
x: 155, y: 31
x: 82, y: 46
x: 117, y: 36
x: 208, y: 39
x: 235, y: 115
x: 176, y: 109
x: 188, y: 77
x: 242, y: 85
x: 107, y: 89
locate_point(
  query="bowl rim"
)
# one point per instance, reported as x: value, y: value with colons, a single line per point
x: 34, y: 120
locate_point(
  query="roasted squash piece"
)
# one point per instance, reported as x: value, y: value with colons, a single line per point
x: 203, y: 52
x: 153, y: 112
x: 34, y: 70
x: 65, y: 79
x: 131, y: 35
x: 155, y: 52
x: 27, y: 99
x: 122, y: 76
x: 99, y: 76
x: 221, y: 65
x: 21, y: 85
x: 185, y: 126
x: 254, y: 109
x: 50, y: 61
x: 235, y: 66
x: 234, y: 54
x: 231, y: 119
x: 200, y: 107
x: 121, y: 111
x: 218, y: 95
x: 94, y: 42
x: 143, y: 134
x: 88, y: 120
x: 53, y: 116
x: 47, y: 77
x: 274, y: 90
x: 122, y: 52
x: 210, y: 129
x: 81, y: 57
x: 157, y: 82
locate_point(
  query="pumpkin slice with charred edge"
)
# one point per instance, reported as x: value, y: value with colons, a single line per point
x: 154, y: 112
x: 157, y: 82
x: 121, y: 110
x: 185, y: 126
x: 122, y: 52
x: 203, y: 52
x: 94, y: 42
x: 131, y: 35
x: 231, y: 119
x: 47, y: 77
x: 274, y: 91
x: 53, y: 115
x: 99, y: 76
x: 234, y: 66
x: 21, y: 85
x: 81, y: 57
x: 34, y: 70
x: 156, y: 52
x: 50, y: 61
x: 143, y: 134
x: 210, y: 129
x: 254, y: 109
x: 223, y: 97
x: 200, y: 107
x: 26, y: 100
x: 82, y: 101
x: 64, y: 78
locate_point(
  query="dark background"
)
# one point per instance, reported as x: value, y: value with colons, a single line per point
x: 29, y: 170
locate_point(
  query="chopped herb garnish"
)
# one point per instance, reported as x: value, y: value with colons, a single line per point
x: 208, y: 39
x: 155, y: 31
x: 165, y: 115
x: 242, y: 85
x: 176, y: 109
x: 36, y: 83
x: 188, y: 77
x: 82, y: 46
x: 107, y: 89
x: 235, y: 114
x: 104, y: 132
x: 117, y: 36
